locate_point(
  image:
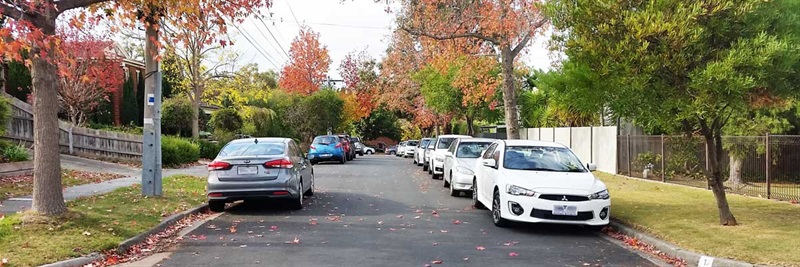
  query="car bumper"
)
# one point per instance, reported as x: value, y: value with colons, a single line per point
x: 537, y: 210
x: 438, y: 167
x: 461, y: 181
x: 233, y: 191
x: 319, y: 157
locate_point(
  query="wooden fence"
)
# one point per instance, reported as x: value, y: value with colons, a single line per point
x: 73, y: 139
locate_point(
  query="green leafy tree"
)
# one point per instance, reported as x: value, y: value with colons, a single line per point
x: 176, y: 116
x: 18, y: 82
x: 140, y: 98
x: 226, y: 120
x: 380, y: 122
x: 129, y: 108
x: 686, y: 66
x: 550, y: 100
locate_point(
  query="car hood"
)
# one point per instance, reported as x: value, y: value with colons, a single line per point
x: 554, y: 182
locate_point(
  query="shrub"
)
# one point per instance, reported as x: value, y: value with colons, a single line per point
x: 176, y: 116
x: 227, y: 120
x: 176, y: 151
x: 14, y: 153
x: 208, y: 149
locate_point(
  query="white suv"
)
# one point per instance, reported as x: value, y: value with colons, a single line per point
x: 439, y: 150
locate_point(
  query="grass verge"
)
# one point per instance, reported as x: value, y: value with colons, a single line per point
x: 96, y: 223
x: 768, y: 231
x: 22, y: 185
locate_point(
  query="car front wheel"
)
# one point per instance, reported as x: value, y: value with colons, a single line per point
x: 496, y: 210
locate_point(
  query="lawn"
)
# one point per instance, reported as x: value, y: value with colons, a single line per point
x: 22, y: 185
x: 769, y: 231
x: 97, y: 223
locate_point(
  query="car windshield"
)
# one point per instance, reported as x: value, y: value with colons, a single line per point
x: 325, y: 140
x: 412, y: 143
x: 253, y: 149
x: 355, y: 139
x: 541, y: 158
x: 424, y: 143
x: 471, y: 149
x: 445, y: 142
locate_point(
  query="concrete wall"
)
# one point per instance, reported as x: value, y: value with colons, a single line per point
x: 597, y: 145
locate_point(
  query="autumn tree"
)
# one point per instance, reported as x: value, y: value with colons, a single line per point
x: 359, y: 72
x: 308, y: 64
x: 507, y: 25
x: 32, y: 30
x: 687, y: 66
x: 87, y: 73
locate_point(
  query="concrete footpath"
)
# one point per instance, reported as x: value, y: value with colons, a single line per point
x: 132, y: 176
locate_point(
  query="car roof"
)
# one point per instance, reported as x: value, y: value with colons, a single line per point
x: 517, y: 142
x: 487, y: 140
x: 423, y: 139
x: 454, y: 135
x: 262, y: 139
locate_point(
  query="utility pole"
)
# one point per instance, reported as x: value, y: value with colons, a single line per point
x: 151, y: 146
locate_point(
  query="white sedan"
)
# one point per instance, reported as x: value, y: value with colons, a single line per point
x: 459, y: 163
x: 539, y: 182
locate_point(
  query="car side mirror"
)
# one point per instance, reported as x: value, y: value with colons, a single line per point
x: 591, y: 166
x: 489, y: 163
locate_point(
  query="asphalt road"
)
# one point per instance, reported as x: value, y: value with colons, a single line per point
x: 383, y: 211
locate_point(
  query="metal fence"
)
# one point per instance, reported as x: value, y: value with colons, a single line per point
x: 761, y: 166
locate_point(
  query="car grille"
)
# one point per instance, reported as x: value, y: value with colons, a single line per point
x: 548, y: 215
x: 561, y: 198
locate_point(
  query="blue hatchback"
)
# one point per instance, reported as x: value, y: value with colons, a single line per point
x: 326, y: 148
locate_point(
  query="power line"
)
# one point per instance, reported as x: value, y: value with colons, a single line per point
x: 273, y: 36
x: 256, y: 47
x: 341, y: 25
x: 292, y: 11
x: 267, y: 38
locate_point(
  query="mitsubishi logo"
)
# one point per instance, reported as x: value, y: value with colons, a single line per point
x: 564, y: 198
x: 246, y: 161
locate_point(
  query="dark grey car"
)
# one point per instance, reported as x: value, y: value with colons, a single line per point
x: 259, y: 168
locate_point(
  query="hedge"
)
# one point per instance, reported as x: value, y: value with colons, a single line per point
x: 208, y: 149
x: 176, y: 151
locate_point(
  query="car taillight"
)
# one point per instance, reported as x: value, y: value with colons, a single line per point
x: 219, y: 166
x: 312, y: 147
x: 338, y: 145
x: 279, y: 163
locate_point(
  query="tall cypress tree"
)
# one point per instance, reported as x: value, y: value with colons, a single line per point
x: 129, y: 109
x: 140, y: 99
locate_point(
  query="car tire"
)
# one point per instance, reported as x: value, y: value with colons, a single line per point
x: 424, y: 167
x: 497, y: 209
x: 369, y: 152
x: 391, y: 153
x: 454, y: 192
x: 297, y: 203
x: 216, y: 206
x: 342, y: 160
x: 475, y: 202
x: 310, y: 191
x: 446, y: 184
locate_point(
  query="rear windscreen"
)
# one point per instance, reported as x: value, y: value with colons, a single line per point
x: 325, y: 140
x: 253, y: 149
x: 412, y: 143
x: 445, y: 142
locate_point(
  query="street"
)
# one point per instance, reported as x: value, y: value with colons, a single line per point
x: 383, y: 211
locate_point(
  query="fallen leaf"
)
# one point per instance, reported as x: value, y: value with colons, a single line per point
x: 443, y: 231
x: 435, y: 244
x: 466, y: 259
x: 233, y: 229
x: 86, y: 233
x: 480, y: 248
x: 416, y: 217
x: 399, y: 216
x: 456, y: 222
x: 436, y: 261
x: 513, y: 254
x: 243, y: 246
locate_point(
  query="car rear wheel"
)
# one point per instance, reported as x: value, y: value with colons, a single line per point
x: 497, y: 208
x: 297, y: 203
x: 310, y: 191
x: 446, y: 183
x: 216, y: 206
x: 424, y: 167
x: 475, y: 202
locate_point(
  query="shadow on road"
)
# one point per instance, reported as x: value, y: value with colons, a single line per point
x: 323, y: 204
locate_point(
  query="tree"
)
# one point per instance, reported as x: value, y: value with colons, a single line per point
x: 308, y: 64
x: 226, y: 120
x: 130, y: 108
x: 380, y: 122
x: 87, y: 74
x: 176, y: 118
x: 32, y: 30
x: 549, y: 102
x: 686, y: 66
x: 361, y: 80
x: 507, y: 25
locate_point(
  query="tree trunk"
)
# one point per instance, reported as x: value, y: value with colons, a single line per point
x: 470, y: 125
x: 735, y: 176
x: 713, y: 141
x: 509, y: 94
x: 196, y: 117
x: 48, y: 198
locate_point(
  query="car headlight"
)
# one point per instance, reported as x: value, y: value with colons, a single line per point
x: 439, y: 159
x: 600, y: 195
x: 519, y: 191
x: 464, y: 170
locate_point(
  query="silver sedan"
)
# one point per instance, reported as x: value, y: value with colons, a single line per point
x: 259, y: 168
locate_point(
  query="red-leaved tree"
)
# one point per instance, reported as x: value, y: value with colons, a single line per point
x: 308, y: 64
x: 88, y: 70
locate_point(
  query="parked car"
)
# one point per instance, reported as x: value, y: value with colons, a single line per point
x: 426, y: 156
x: 259, y: 168
x: 411, y: 146
x: 539, y: 182
x: 392, y: 150
x: 358, y: 145
x: 381, y: 147
x: 327, y: 148
x: 437, y: 154
x: 348, y: 146
x: 369, y: 150
x: 420, y: 151
x: 459, y: 163
x: 401, y: 149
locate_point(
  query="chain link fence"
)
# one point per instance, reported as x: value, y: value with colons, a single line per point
x: 760, y: 166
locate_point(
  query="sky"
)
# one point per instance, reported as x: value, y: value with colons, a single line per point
x: 344, y: 26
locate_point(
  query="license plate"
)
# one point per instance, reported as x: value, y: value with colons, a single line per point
x: 247, y: 170
x: 565, y: 210
x: 326, y: 155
